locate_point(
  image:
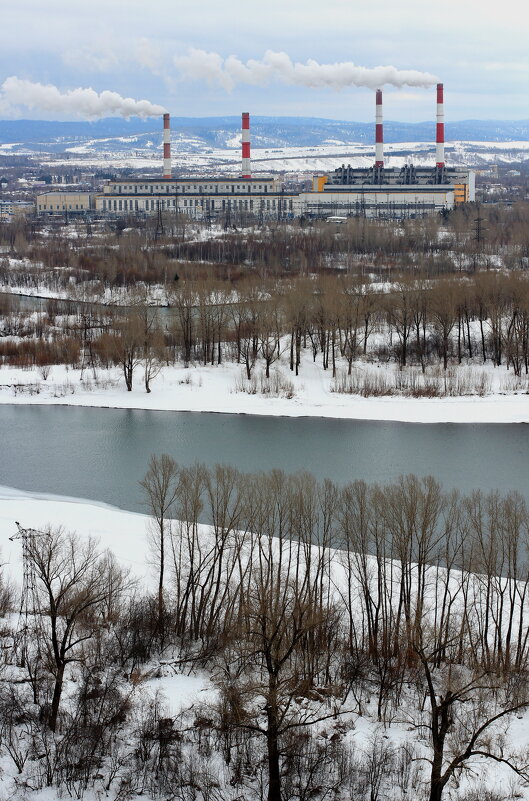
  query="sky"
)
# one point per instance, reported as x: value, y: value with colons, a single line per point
x: 175, y: 55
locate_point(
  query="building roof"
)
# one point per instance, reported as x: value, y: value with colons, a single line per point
x: 203, y: 179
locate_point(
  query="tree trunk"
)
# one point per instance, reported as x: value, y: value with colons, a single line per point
x: 57, y: 692
x: 436, y: 791
x: 298, y: 351
x: 272, y: 742
x: 482, y: 340
x: 161, y: 610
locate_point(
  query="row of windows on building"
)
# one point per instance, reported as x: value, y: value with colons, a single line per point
x: 62, y: 207
x: 212, y: 204
x: 189, y: 188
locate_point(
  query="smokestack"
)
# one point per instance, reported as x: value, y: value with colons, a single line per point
x: 246, y: 169
x: 379, y: 138
x: 166, y: 146
x: 440, y: 128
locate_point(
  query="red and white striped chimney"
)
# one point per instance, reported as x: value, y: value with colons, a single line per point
x: 379, y: 132
x: 440, y: 128
x: 166, y: 146
x: 246, y: 169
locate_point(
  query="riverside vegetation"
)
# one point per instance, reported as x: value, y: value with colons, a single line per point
x: 426, y: 296
x: 426, y: 329
x: 360, y: 641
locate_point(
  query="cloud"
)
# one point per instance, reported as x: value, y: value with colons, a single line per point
x: 85, y: 103
x: 507, y: 66
x: 230, y: 71
x: 148, y: 55
x: 102, y: 59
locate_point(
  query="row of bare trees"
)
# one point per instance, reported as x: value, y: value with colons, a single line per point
x: 426, y: 588
x: 310, y: 606
x: 470, y: 238
x: 337, y: 318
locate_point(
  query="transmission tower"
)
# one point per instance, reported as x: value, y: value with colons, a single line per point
x: 479, y: 228
x: 159, y: 221
x: 29, y: 606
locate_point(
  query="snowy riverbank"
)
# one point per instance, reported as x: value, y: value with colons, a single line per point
x: 219, y: 389
x: 126, y: 534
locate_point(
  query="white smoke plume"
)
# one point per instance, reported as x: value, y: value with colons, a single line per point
x: 85, y: 103
x: 228, y: 72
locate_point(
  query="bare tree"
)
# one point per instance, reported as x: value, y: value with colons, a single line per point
x: 160, y: 487
x: 128, y: 346
x: 282, y: 611
x: 466, y: 707
x: 73, y: 581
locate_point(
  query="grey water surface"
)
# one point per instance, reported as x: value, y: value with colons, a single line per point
x: 102, y: 454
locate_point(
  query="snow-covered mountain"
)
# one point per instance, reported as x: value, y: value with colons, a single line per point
x: 224, y: 132
x: 279, y: 144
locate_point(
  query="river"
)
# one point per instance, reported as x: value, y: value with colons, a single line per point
x: 101, y: 454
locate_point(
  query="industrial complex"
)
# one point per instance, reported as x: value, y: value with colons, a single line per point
x: 377, y: 191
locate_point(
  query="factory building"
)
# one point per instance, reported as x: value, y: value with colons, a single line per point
x: 196, y: 197
x: 64, y: 203
x: 199, y: 198
x: 387, y: 193
x: 391, y: 193
x: 378, y: 191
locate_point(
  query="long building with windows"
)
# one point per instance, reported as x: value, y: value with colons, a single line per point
x: 197, y: 197
x: 349, y: 192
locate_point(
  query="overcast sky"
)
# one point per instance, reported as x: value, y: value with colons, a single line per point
x: 137, y: 48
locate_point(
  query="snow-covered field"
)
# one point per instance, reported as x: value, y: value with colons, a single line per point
x: 197, y: 157
x: 88, y: 518
x: 218, y: 389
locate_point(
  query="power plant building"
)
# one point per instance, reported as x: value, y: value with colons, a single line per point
x: 377, y: 191
x: 64, y: 202
x: 392, y: 193
x: 388, y: 193
x: 197, y: 197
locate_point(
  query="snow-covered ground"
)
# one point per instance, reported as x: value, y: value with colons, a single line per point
x: 91, y: 292
x: 125, y: 533
x: 195, y: 156
x: 218, y: 389
x: 88, y: 518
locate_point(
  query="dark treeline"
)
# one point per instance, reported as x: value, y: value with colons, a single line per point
x: 151, y: 251
x: 310, y: 606
x: 413, y: 321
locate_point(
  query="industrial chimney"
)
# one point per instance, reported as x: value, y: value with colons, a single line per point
x: 246, y: 169
x: 166, y: 146
x: 440, y: 129
x: 379, y: 132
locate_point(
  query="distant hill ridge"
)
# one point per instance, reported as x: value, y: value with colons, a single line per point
x: 222, y: 132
